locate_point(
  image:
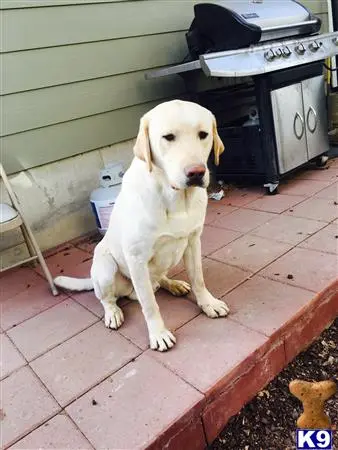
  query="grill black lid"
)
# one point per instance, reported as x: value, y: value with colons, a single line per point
x: 235, y: 24
x: 216, y: 28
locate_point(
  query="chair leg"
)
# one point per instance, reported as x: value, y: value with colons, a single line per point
x: 29, y: 244
x: 40, y: 258
x: 27, y: 229
x: 47, y: 274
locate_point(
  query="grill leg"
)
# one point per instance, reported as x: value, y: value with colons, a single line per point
x: 267, y: 135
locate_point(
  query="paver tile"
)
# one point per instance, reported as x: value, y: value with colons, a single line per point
x: 138, y: 403
x: 275, y: 203
x: 216, y: 210
x: 87, y: 243
x: 207, y: 350
x: 89, y: 301
x: 288, y: 229
x: 83, y: 361
x: 307, y: 188
x: 241, y: 390
x: 330, y: 192
x: 214, y: 238
x: 314, y: 318
x: 190, y: 437
x: 87, y: 246
x: 219, y: 278
x: 27, y: 304
x: 243, y: 220
x: 59, y: 433
x: 64, y: 262
x: 154, y: 396
x: 264, y: 305
x: 10, y: 359
x: 25, y: 405
x: 64, y: 247
x: 325, y: 240
x: 15, y: 281
x: 81, y: 270
x: 39, y: 334
x: 316, y: 209
x: 327, y: 174
x: 241, y: 197
x: 176, y: 311
x: 250, y: 252
x: 305, y: 268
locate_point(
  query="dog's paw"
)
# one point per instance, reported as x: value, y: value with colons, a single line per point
x: 215, y: 308
x: 113, y: 317
x: 178, y: 287
x: 162, y: 340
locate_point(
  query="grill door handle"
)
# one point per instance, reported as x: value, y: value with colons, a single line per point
x: 311, y: 129
x: 298, y: 116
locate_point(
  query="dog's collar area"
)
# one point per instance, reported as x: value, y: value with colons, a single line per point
x: 187, y: 187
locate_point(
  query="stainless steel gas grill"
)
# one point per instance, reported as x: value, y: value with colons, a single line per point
x: 258, y: 65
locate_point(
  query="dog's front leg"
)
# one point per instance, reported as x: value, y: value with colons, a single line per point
x: 210, y: 305
x: 160, y: 338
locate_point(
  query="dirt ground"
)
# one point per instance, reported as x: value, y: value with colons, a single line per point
x: 268, y: 422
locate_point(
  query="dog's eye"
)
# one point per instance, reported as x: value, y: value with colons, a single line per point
x: 169, y: 137
x: 202, y: 134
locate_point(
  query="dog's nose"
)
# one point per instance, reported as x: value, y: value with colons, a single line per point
x: 196, y: 172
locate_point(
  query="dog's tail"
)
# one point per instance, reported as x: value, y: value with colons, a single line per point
x: 74, y: 284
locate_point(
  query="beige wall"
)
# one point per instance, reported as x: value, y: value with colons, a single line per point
x: 72, y: 86
x: 55, y: 198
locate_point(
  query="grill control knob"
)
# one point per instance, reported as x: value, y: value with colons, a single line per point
x: 300, y: 49
x: 270, y: 55
x: 278, y: 52
x: 335, y: 41
x: 314, y: 46
x: 286, y: 51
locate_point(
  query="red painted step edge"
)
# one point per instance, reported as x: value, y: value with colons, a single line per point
x: 201, y: 429
x: 295, y: 336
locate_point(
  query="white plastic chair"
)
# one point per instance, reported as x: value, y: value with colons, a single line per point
x: 11, y: 217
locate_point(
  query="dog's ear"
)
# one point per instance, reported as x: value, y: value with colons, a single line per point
x: 142, y: 145
x: 217, y: 144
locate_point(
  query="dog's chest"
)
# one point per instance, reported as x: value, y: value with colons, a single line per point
x: 180, y: 225
x: 183, y: 215
x: 167, y: 252
x: 173, y: 234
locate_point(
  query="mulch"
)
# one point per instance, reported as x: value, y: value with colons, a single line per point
x: 268, y: 422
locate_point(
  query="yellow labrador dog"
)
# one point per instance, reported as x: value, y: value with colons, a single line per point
x: 158, y: 219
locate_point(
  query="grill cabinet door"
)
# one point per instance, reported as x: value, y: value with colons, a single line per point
x: 288, y: 115
x: 315, y: 116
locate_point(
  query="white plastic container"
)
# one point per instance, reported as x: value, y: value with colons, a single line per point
x: 102, y: 199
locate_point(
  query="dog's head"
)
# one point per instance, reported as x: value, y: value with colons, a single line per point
x: 177, y: 137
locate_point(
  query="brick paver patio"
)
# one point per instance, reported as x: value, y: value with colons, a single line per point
x: 70, y: 383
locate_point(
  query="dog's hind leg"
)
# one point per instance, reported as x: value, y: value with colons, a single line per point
x: 133, y: 296
x: 175, y: 287
x: 109, y: 285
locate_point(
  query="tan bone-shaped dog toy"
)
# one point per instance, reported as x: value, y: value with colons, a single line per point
x: 313, y: 397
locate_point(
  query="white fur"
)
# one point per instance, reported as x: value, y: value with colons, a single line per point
x: 74, y: 284
x: 157, y: 220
